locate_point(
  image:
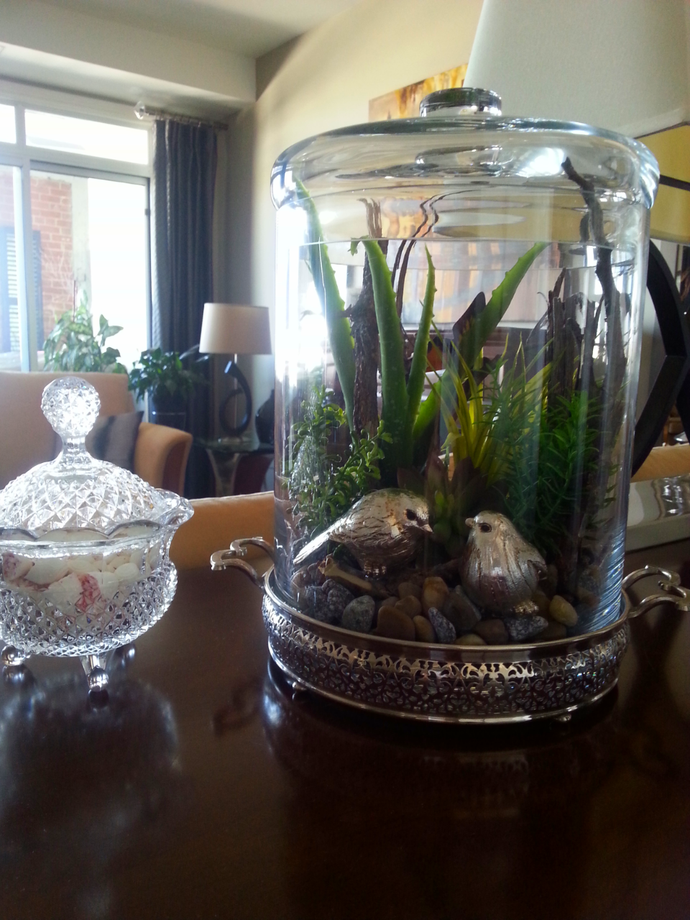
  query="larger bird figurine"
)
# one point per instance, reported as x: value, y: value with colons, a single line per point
x: 499, y: 569
x: 381, y: 530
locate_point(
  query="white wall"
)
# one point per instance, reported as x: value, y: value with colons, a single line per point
x: 322, y: 81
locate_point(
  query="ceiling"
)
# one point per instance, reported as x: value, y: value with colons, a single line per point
x: 247, y: 27
x: 194, y: 57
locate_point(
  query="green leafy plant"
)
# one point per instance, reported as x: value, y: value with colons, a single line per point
x: 164, y: 377
x: 543, y: 482
x: 325, y: 482
x: 73, y: 346
x: 484, y: 412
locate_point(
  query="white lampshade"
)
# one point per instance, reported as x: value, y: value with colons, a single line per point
x: 616, y: 65
x: 619, y: 65
x: 235, y: 329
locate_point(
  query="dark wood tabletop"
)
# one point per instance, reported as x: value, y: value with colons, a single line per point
x: 203, y: 789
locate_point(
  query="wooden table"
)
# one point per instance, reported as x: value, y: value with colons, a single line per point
x: 204, y: 790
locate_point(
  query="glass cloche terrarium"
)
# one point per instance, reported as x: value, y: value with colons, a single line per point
x: 457, y: 332
x: 84, y: 547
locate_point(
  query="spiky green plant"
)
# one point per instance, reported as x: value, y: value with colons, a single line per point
x: 482, y: 417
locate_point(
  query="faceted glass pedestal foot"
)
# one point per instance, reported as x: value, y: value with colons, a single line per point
x: 95, y: 670
x: 12, y: 657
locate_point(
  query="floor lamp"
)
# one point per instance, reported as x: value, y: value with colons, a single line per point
x: 235, y: 329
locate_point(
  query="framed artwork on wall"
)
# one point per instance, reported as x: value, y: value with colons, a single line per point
x: 404, y: 102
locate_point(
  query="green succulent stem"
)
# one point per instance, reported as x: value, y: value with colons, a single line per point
x: 415, y: 383
x: 337, y: 323
x: 475, y: 328
x: 393, y: 390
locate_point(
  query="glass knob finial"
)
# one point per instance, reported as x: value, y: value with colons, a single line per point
x: 71, y: 405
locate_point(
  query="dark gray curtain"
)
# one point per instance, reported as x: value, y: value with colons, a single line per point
x: 184, y: 171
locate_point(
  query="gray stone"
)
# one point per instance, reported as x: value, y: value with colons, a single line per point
x: 460, y: 610
x: 524, y: 628
x: 359, y: 614
x: 327, y: 602
x: 444, y: 629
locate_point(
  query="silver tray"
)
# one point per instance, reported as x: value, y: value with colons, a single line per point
x: 448, y: 683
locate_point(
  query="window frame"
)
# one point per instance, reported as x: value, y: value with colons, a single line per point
x: 25, y: 159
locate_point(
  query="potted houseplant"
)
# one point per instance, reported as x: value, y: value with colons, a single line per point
x: 168, y: 383
x: 73, y: 346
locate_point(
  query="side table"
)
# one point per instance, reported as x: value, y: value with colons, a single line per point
x: 226, y: 455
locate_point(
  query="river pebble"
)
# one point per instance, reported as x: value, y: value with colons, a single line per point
x: 469, y: 639
x: 424, y: 631
x: 523, y: 628
x: 409, y: 589
x: 561, y: 611
x: 410, y: 605
x: 434, y: 593
x: 394, y: 624
x: 359, y: 614
x: 460, y: 610
x: 444, y: 629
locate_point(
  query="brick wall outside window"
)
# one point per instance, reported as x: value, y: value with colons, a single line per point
x: 51, y: 212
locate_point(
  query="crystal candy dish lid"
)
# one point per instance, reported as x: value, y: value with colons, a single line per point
x: 463, y: 149
x: 76, y: 496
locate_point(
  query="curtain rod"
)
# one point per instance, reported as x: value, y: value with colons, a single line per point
x: 142, y: 111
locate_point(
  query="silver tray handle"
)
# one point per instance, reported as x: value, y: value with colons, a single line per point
x: 233, y: 558
x: 671, y: 590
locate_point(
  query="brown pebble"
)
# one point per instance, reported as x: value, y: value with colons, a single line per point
x: 460, y: 610
x: 409, y: 589
x: 434, y: 593
x: 553, y: 631
x: 394, y: 624
x: 586, y: 597
x: 561, y: 611
x: 387, y: 602
x: 493, y: 632
x: 410, y: 605
x: 424, y: 631
x: 542, y: 602
x: 469, y: 639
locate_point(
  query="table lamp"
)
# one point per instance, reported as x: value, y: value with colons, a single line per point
x: 235, y: 329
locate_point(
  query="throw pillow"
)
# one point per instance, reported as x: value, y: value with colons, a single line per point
x: 113, y: 437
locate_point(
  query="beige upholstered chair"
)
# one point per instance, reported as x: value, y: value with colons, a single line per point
x: 219, y: 521
x: 26, y: 438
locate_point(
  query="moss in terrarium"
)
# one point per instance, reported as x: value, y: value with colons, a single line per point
x: 325, y: 481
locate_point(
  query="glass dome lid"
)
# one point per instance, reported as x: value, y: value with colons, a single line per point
x: 460, y: 146
x: 76, y: 497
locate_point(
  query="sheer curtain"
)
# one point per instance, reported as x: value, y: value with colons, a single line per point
x: 184, y: 171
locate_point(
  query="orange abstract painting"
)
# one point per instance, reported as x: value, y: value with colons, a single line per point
x: 404, y: 103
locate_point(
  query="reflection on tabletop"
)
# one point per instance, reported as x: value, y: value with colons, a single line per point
x: 79, y: 777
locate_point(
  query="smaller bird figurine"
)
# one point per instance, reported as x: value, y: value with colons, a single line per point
x: 499, y: 569
x: 381, y: 530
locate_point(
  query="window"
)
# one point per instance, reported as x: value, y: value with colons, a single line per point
x: 90, y: 138
x: 82, y: 186
x: 8, y: 130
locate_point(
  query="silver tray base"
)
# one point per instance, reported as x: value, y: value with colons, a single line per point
x: 444, y: 683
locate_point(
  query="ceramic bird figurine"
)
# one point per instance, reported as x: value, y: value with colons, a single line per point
x: 499, y: 569
x: 381, y: 530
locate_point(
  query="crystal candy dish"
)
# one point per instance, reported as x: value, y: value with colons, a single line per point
x: 84, y: 546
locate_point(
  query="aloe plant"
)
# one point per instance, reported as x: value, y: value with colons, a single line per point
x: 337, y: 323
